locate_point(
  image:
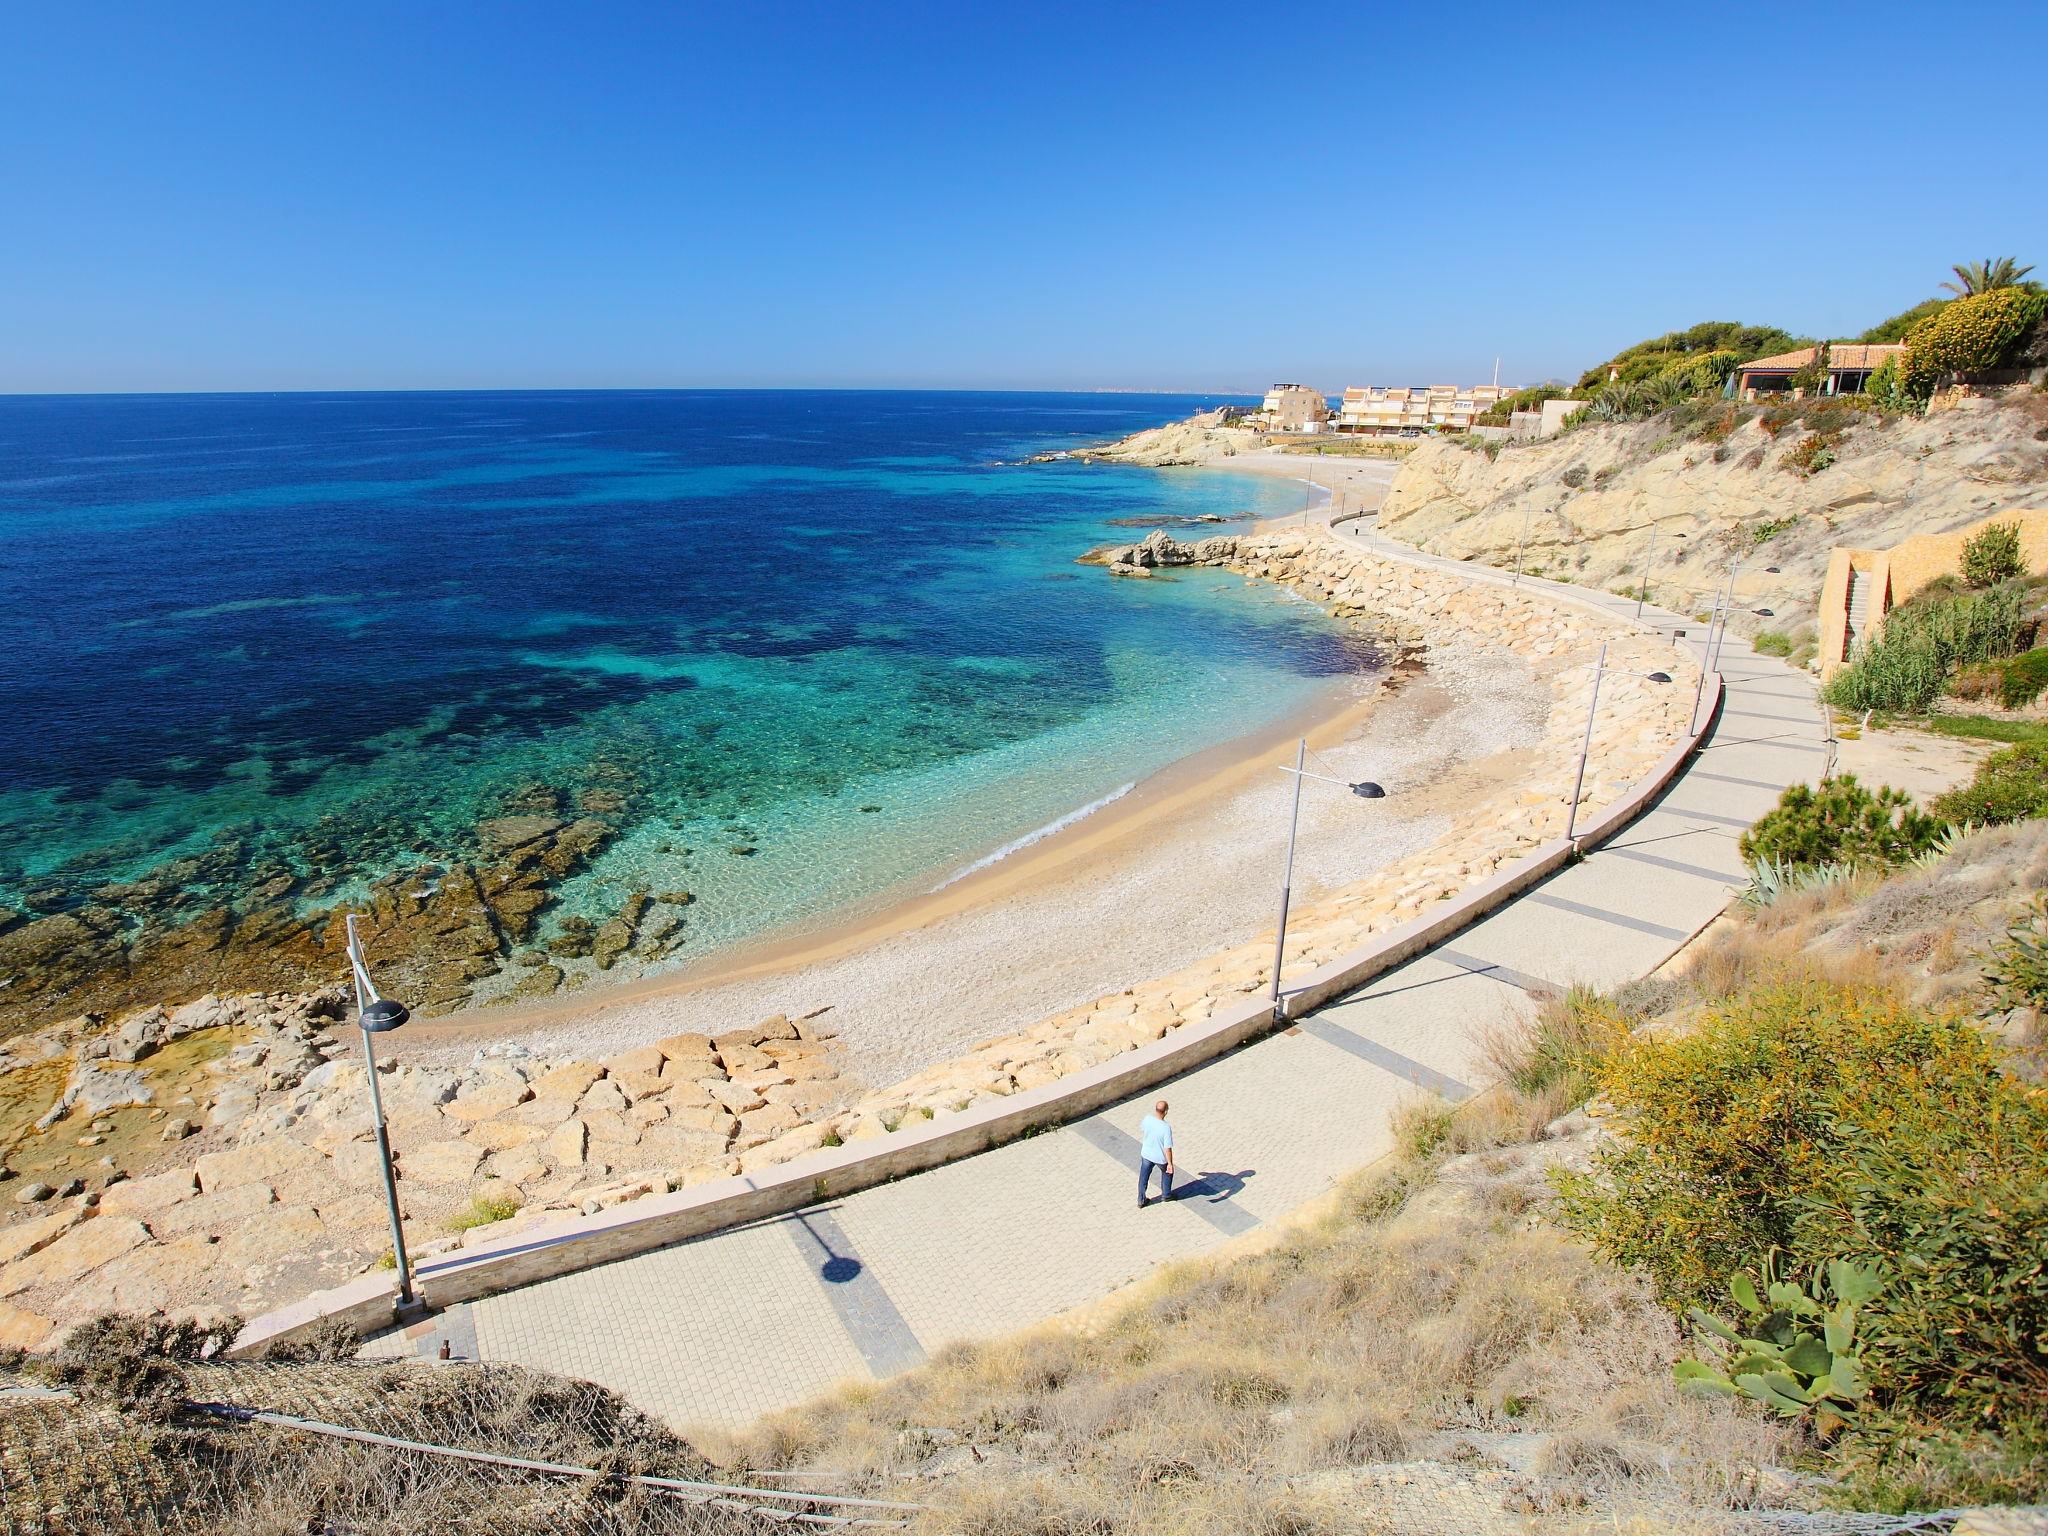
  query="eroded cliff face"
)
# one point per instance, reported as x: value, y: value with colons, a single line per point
x: 1589, y: 501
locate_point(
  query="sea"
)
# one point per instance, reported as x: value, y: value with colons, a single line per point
x: 799, y: 649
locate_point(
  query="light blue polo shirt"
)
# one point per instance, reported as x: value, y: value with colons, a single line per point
x: 1154, y: 1136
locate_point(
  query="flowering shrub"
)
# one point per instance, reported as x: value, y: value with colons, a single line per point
x: 1970, y: 335
x: 1819, y: 1121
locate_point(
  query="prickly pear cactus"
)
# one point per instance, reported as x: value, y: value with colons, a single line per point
x: 1790, y: 1350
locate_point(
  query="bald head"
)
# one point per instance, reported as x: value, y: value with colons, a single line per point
x: 1159, y: 1109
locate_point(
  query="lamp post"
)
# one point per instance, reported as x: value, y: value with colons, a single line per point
x: 1365, y: 790
x: 378, y: 1015
x: 1571, y: 823
x: 1706, y: 644
x: 1649, y: 563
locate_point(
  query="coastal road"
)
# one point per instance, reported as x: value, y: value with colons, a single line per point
x: 719, y: 1330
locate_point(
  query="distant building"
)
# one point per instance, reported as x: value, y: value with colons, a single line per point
x: 1386, y: 412
x: 1294, y: 408
x: 1544, y: 421
x: 1849, y: 367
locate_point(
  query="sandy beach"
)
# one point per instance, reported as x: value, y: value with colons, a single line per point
x: 1185, y: 865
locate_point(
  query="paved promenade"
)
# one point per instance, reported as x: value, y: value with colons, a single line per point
x: 723, y: 1328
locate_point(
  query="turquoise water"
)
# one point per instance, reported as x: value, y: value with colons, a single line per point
x: 315, y: 639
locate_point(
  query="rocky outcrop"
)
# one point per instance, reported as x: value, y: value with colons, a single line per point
x: 278, y: 1193
x: 1201, y: 439
x: 437, y: 933
x: 1591, y: 500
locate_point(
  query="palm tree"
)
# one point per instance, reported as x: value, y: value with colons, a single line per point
x: 1983, y: 276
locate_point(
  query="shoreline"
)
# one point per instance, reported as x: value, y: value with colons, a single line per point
x: 1188, y: 785
x: 808, y: 966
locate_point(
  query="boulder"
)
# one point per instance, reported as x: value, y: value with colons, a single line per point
x: 734, y: 1097
x: 139, y: 1196
x: 568, y: 1082
x: 567, y: 1147
x: 27, y: 1237
x: 287, y: 1232
x: 503, y: 1135
x: 713, y: 1121
x: 440, y: 1162
x: 75, y: 1255
x: 217, y: 1214
x: 265, y: 1162
x: 21, y: 1329
x: 489, y: 1099
x: 603, y: 1098
x: 767, y: 1121
x: 648, y: 1058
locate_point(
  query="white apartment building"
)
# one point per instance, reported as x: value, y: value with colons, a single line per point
x: 1416, y: 408
x: 1294, y: 408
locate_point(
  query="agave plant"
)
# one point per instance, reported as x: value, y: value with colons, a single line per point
x: 1974, y: 277
x: 1770, y: 880
x: 1944, y: 844
x: 1790, y: 1350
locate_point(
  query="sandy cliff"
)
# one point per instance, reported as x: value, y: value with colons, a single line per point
x: 1591, y: 498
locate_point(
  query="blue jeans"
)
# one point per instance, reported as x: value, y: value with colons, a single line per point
x: 1145, y: 1167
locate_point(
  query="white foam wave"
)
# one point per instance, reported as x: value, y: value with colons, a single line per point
x: 1059, y: 824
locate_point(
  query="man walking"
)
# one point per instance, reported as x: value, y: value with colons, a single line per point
x: 1155, y: 1150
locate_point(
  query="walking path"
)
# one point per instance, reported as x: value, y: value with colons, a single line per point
x: 723, y: 1328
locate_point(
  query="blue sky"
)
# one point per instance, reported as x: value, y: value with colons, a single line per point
x: 366, y: 195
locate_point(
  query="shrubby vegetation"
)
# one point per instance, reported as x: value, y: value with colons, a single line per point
x: 1992, y: 556
x: 1840, y: 823
x: 1688, y: 349
x: 1971, y: 335
x: 2011, y: 785
x: 1803, y: 1121
x: 1924, y: 640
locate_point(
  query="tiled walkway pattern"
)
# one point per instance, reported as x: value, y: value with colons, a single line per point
x: 723, y: 1328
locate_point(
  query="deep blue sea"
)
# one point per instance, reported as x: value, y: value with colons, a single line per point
x: 844, y: 630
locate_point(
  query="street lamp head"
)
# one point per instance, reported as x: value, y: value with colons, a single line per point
x: 1770, y: 570
x: 1660, y: 677
x: 1368, y: 791
x: 1763, y: 613
x: 385, y: 1014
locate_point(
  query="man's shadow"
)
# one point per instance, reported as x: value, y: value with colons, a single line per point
x: 1213, y: 1186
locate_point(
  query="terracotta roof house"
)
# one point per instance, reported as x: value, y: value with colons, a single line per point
x: 1849, y: 367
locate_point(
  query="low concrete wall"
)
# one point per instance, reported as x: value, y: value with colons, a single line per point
x: 658, y: 1221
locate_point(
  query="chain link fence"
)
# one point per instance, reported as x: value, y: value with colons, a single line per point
x: 366, y: 1450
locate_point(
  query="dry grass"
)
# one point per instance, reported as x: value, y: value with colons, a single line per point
x: 1430, y: 1308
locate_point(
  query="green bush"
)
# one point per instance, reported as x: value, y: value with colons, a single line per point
x: 1698, y: 345
x: 2021, y: 679
x: 1902, y: 325
x: 2011, y: 785
x: 2016, y: 969
x: 1992, y: 556
x: 1818, y: 1122
x: 1813, y: 453
x: 1840, y: 823
x: 484, y: 1210
x: 1887, y: 386
x: 1922, y: 642
x: 1772, y: 642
